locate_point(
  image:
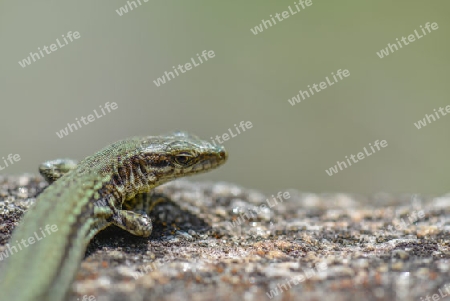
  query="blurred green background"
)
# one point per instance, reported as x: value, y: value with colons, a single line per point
x: 250, y: 79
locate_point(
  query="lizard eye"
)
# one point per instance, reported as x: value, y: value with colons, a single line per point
x: 183, y: 158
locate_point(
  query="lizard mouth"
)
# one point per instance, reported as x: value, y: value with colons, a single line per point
x: 211, y: 161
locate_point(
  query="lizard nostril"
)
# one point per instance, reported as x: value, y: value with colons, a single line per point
x: 223, y: 154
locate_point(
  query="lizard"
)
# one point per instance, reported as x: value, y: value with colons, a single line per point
x: 112, y: 187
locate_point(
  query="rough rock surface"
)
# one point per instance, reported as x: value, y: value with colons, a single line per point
x: 217, y: 242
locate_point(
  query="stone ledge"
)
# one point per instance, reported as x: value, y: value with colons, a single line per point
x: 217, y: 242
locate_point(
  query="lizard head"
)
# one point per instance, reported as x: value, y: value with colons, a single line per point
x: 180, y: 154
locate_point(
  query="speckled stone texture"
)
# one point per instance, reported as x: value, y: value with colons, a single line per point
x: 219, y: 241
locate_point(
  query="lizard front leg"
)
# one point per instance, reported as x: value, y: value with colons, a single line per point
x: 144, y: 203
x: 132, y: 222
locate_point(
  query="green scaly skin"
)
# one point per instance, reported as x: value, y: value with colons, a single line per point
x: 88, y: 197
